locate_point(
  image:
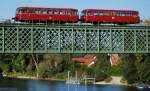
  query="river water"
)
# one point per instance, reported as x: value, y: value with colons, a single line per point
x: 11, y: 84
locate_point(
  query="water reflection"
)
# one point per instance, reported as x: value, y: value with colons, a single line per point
x: 83, y: 87
x: 39, y: 85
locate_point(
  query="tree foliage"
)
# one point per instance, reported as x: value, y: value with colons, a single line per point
x: 147, y: 21
x: 134, y: 67
x: 129, y: 68
x: 18, y: 63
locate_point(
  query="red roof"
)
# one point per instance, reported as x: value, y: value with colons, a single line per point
x: 103, y: 10
x: 86, y: 60
x: 44, y: 8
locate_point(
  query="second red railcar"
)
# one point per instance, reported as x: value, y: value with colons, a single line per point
x: 110, y: 16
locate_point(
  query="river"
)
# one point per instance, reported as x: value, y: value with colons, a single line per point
x: 11, y: 84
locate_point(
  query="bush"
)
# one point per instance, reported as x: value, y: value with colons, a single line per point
x: 42, y: 70
x: 100, y: 76
x: 108, y: 79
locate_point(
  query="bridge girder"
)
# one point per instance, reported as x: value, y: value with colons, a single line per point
x: 74, y: 39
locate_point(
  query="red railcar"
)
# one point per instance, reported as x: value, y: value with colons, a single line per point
x: 110, y: 16
x: 38, y: 14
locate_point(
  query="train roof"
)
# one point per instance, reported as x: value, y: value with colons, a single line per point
x: 104, y: 10
x: 43, y: 8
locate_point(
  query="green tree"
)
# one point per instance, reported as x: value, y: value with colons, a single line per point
x: 143, y: 66
x: 129, y: 68
x: 147, y: 21
x: 18, y: 63
x: 102, y: 67
x: 6, y: 62
x: 43, y: 70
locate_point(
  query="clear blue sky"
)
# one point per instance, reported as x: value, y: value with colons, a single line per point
x: 8, y: 7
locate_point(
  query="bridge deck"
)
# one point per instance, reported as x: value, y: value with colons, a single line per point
x: 25, y: 38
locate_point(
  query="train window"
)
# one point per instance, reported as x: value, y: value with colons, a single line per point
x: 101, y: 14
x: 24, y: 11
x: 72, y: 13
x: 122, y: 14
x: 128, y: 14
x: 118, y: 13
x: 18, y: 11
x: 68, y: 13
x: 62, y: 12
x: 90, y: 13
x: 95, y: 14
x: 134, y: 15
x: 41, y: 11
x: 44, y: 12
x: 77, y: 13
x: 56, y: 12
x: 125, y: 13
x: 65, y: 12
x: 106, y: 13
x: 31, y: 11
x: 37, y: 12
x: 49, y: 12
x: 113, y: 13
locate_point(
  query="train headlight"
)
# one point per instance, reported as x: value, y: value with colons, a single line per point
x: 50, y: 18
x: 113, y: 17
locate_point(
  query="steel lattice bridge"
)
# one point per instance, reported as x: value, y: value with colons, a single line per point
x: 24, y: 38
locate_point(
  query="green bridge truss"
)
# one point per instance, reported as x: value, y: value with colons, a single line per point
x: 74, y: 39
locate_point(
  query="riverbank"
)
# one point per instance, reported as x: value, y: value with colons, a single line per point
x: 116, y: 80
x: 34, y: 78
